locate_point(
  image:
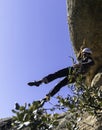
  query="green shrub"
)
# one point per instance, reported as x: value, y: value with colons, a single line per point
x: 84, y: 99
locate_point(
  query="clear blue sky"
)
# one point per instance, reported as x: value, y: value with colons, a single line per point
x: 34, y: 41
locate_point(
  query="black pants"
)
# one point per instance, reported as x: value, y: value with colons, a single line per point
x: 61, y: 73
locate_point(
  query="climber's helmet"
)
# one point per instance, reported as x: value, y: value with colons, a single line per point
x: 86, y: 51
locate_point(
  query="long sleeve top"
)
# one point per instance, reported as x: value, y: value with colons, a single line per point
x: 85, y: 62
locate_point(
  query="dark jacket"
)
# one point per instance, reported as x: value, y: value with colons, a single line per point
x: 85, y: 62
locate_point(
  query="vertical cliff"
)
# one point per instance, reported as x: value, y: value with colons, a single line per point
x: 85, y: 25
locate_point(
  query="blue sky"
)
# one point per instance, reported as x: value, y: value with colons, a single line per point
x: 34, y: 41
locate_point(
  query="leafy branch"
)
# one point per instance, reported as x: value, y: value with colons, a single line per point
x: 84, y: 99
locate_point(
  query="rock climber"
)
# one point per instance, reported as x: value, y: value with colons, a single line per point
x: 85, y: 61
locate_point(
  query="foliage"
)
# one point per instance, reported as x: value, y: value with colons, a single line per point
x: 84, y: 99
x: 33, y: 116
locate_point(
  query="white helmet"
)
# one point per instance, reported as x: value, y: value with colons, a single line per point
x: 87, y: 50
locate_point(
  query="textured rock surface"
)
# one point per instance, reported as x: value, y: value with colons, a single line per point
x: 97, y: 80
x: 5, y: 124
x: 85, y: 25
x: 89, y: 123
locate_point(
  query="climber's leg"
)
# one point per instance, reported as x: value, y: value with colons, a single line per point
x: 61, y: 84
x: 61, y: 73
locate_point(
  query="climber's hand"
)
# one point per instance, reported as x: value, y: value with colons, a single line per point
x: 46, y: 99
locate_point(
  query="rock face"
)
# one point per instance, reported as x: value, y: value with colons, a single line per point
x: 97, y: 80
x: 5, y: 124
x: 85, y: 25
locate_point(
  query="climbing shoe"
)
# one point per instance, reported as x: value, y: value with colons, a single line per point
x: 35, y: 83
